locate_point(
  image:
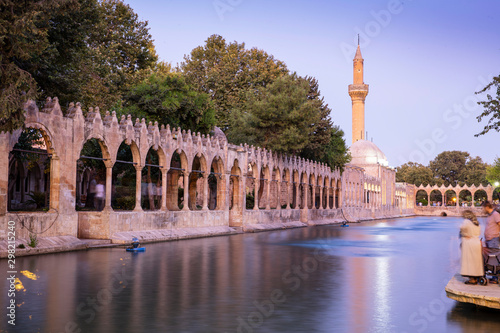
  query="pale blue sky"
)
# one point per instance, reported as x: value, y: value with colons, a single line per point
x: 424, y: 59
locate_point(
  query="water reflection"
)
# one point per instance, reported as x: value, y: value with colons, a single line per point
x: 385, y: 276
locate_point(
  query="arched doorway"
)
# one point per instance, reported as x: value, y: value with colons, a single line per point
x: 421, y: 198
x: 90, y: 177
x: 175, y: 181
x: 216, y: 185
x: 29, y: 172
x: 479, y: 197
x: 151, y: 181
x: 197, y: 178
x: 123, y: 195
x: 450, y: 198
x: 436, y: 198
x: 465, y: 198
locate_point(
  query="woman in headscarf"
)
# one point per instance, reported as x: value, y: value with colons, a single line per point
x: 472, y: 260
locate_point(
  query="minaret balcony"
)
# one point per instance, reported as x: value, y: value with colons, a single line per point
x: 358, y: 88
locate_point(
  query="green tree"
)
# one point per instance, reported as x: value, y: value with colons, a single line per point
x: 450, y: 166
x: 24, y: 27
x: 168, y: 99
x: 491, y: 106
x: 317, y: 148
x: 414, y: 173
x: 279, y: 117
x: 335, y: 153
x: 493, y: 172
x: 93, y: 52
x: 475, y: 172
x: 227, y: 71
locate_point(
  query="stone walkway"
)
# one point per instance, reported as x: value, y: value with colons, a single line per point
x: 488, y: 296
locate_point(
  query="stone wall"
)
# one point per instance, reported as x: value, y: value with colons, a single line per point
x: 311, y: 192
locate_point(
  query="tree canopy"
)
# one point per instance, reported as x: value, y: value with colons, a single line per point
x: 79, y: 50
x: 491, y: 106
x: 168, y: 99
x: 227, y: 72
x: 493, y: 172
x: 98, y: 53
x: 447, y: 168
x: 414, y: 173
x: 24, y: 35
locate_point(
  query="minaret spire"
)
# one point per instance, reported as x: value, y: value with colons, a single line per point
x: 358, y: 91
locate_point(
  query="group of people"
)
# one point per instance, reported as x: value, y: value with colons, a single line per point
x: 475, y: 254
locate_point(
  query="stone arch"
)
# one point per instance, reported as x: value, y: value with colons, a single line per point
x: 47, y: 135
x: 465, y: 198
x: 436, y: 198
x: 126, y: 177
x: 421, y: 198
x: 450, y: 197
x: 151, y: 181
x: 31, y: 186
x: 197, y: 179
x: 177, y: 179
x: 480, y: 196
x: 216, y: 184
x: 251, y: 186
x: 93, y: 158
x: 104, y: 146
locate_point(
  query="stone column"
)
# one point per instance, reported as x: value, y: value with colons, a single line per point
x: 109, y: 185
x: 138, y: 181
x: 327, y: 189
x: 267, y: 184
x: 55, y: 179
x: 471, y: 200
x: 185, y: 206
x: 278, y: 194
x: 321, y: 197
x: 297, y: 196
x: 205, y: 192
x: 305, y: 198
x: 256, y: 196
x: 443, y: 197
x: 289, y: 192
x: 164, y: 172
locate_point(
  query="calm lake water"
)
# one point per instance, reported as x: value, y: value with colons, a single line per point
x: 382, y: 276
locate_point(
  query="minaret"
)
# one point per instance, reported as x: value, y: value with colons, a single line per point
x: 358, y: 91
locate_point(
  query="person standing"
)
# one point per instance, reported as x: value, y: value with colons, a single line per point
x: 100, y: 194
x: 471, y: 263
x: 491, y: 233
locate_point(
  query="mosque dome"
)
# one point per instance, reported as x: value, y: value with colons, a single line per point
x: 367, y: 153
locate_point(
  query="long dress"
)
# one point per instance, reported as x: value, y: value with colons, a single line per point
x: 472, y: 260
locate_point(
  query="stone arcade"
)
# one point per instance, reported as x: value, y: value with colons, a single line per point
x: 289, y: 191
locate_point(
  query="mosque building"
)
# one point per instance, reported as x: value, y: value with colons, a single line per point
x: 365, y: 154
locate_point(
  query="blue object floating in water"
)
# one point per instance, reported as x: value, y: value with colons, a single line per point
x: 136, y: 249
x: 344, y: 225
